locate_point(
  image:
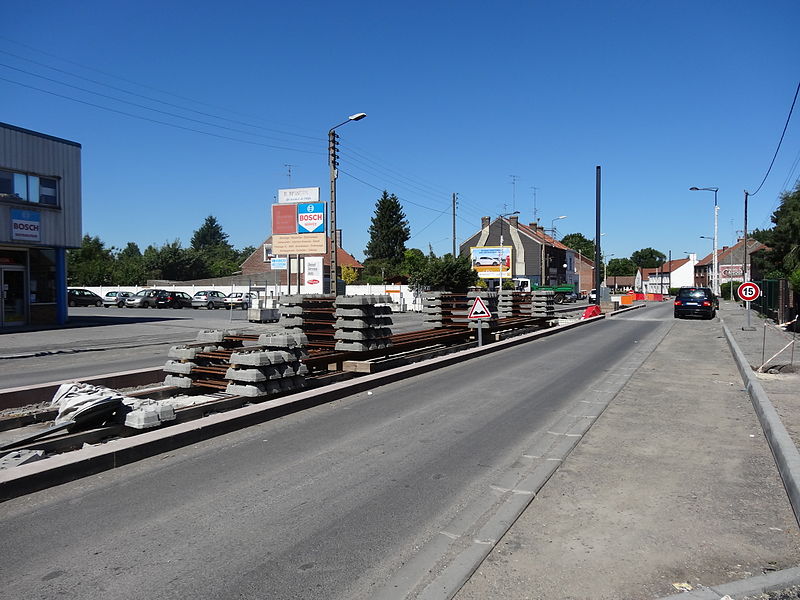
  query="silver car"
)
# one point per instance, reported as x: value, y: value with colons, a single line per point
x: 114, y: 298
x: 208, y: 298
x: 143, y: 299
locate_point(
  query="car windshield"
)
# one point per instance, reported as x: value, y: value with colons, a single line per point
x: 142, y: 293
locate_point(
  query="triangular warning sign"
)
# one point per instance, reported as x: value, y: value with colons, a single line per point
x: 479, y: 310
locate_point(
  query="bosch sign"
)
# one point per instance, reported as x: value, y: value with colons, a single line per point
x: 311, y: 217
x: 26, y: 225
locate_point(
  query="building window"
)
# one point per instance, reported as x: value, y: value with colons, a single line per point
x: 28, y: 188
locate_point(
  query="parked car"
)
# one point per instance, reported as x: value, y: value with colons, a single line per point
x: 143, y: 299
x: 82, y: 297
x: 208, y: 298
x: 571, y: 297
x: 696, y: 302
x: 116, y: 299
x: 486, y: 261
x: 240, y: 299
x: 173, y: 299
x: 592, y: 296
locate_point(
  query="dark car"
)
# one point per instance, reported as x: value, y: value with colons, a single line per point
x: 173, y: 299
x: 696, y: 302
x: 82, y: 297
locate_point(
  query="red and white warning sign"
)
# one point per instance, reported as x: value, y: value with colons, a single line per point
x: 748, y: 291
x: 479, y: 310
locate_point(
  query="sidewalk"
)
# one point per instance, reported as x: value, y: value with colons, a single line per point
x: 674, y: 487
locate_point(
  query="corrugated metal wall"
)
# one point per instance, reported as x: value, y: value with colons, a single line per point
x: 44, y: 156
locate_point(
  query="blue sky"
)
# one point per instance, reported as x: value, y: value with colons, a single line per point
x: 460, y: 96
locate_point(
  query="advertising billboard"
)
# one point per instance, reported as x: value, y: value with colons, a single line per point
x: 314, y: 275
x: 491, y: 262
x: 298, y: 195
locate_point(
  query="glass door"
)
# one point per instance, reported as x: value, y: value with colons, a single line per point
x: 12, y: 297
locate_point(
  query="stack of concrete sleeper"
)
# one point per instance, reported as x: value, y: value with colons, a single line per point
x: 363, y: 323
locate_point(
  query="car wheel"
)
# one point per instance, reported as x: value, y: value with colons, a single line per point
x: 210, y: 305
x: 195, y: 307
x: 144, y: 304
x: 72, y: 302
x: 176, y: 304
x: 120, y: 304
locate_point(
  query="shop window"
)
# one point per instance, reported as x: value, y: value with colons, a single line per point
x: 42, y: 275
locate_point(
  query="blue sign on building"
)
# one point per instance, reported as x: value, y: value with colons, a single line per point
x: 311, y: 217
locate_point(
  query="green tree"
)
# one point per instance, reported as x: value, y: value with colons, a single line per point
x: 648, y: 258
x: 450, y: 273
x: 621, y: 267
x: 579, y: 242
x: 129, y: 268
x: 388, y: 232
x: 209, y: 235
x: 91, y: 264
x: 783, y: 239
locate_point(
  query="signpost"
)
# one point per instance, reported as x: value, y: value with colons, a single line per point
x: 748, y: 292
x: 480, y: 313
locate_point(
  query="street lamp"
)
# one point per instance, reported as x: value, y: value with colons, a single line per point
x: 500, y: 269
x: 553, y: 224
x: 715, y: 265
x: 334, y: 172
x: 605, y: 268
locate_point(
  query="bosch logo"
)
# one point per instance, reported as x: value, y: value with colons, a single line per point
x: 26, y: 226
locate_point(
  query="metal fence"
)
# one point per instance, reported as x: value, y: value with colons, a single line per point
x: 777, y: 301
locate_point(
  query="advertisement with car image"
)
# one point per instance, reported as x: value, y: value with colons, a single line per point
x: 491, y: 262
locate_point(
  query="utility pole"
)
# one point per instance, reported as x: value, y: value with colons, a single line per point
x: 597, y: 238
x: 455, y: 199
x: 745, y: 274
x: 289, y: 167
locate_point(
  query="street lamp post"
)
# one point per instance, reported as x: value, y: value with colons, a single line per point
x: 715, y: 264
x: 500, y: 269
x: 333, y: 163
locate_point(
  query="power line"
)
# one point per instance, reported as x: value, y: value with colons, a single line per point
x: 119, y: 78
x: 150, y: 98
x: 137, y: 105
x: 135, y: 116
x: 788, y: 118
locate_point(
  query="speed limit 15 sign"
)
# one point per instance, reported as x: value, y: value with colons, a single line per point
x: 748, y: 291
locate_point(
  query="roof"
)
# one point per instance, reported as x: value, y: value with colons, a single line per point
x: 753, y: 245
x: 668, y: 267
x: 343, y: 257
x: 41, y: 135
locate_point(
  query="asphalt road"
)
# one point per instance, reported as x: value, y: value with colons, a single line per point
x: 328, y: 503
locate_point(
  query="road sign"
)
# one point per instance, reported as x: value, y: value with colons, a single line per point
x: 479, y: 310
x: 311, y: 217
x: 748, y: 291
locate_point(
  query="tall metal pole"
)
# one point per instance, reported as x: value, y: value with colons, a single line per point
x: 334, y: 173
x: 597, y: 239
x: 745, y: 274
x: 715, y: 265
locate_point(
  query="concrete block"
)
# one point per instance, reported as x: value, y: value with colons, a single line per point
x: 250, y: 391
x: 354, y: 301
x: 291, y: 322
x: 178, y: 381
x: 253, y: 358
x: 245, y: 375
x: 291, y: 311
x: 277, y: 340
x: 182, y: 353
x: 143, y: 418
x: 178, y: 368
x: 215, y: 335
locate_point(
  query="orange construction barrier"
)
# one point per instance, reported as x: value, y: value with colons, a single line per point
x: 626, y: 300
